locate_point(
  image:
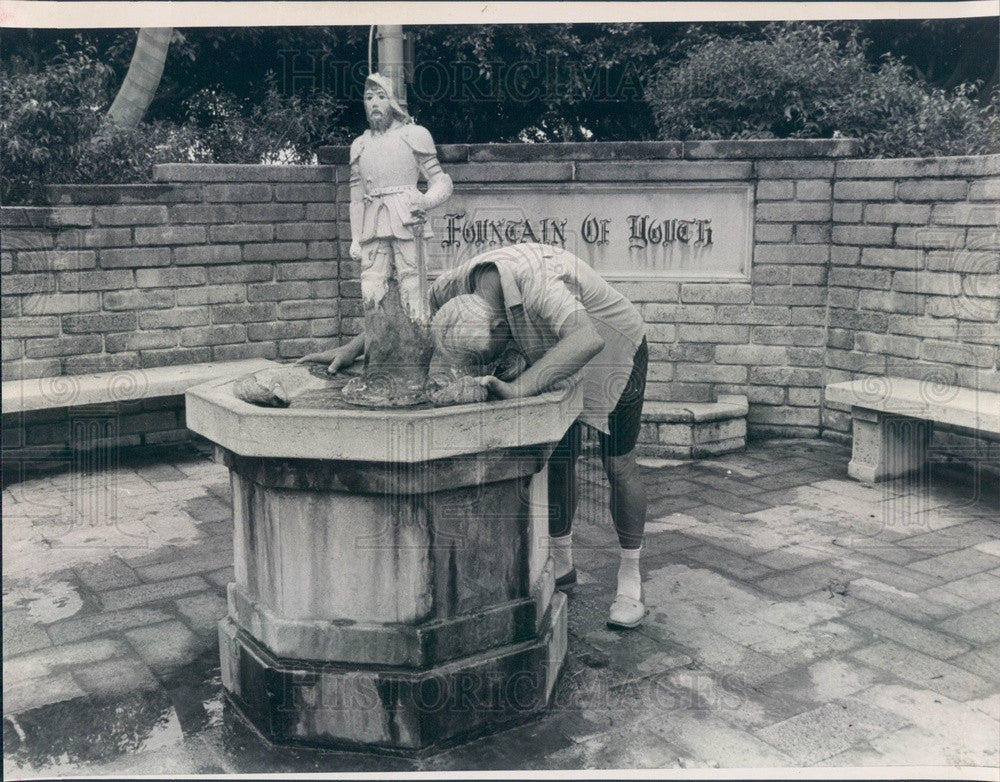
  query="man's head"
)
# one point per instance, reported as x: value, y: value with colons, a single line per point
x: 381, y: 105
x: 468, y: 334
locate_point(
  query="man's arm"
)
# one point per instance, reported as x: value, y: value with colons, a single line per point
x: 339, y: 357
x: 578, y: 343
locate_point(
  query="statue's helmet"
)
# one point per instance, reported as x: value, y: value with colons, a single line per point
x: 385, y: 84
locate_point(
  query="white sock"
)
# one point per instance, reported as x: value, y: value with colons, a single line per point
x: 629, y: 580
x: 561, y: 549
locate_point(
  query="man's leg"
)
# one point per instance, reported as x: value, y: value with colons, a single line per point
x: 628, y: 510
x: 628, y: 495
x: 628, y: 499
x: 562, y: 504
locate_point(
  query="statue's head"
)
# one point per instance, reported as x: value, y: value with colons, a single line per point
x: 468, y: 334
x: 381, y: 105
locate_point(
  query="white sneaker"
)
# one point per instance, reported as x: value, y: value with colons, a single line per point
x: 626, y: 613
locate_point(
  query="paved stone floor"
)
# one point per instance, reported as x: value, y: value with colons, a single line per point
x: 798, y: 618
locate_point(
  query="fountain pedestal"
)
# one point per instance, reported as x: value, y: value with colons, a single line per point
x: 393, y: 587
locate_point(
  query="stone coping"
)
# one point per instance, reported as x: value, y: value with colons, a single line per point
x: 49, y: 216
x: 370, y: 435
x: 954, y: 405
x: 631, y: 150
x: 240, y: 172
x: 104, y: 194
x: 727, y: 406
x: 120, y: 386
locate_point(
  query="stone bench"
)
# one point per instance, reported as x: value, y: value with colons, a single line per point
x: 129, y: 385
x: 893, y: 418
x: 46, y: 419
x: 692, y: 430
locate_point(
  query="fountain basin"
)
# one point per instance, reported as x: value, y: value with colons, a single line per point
x: 393, y: 588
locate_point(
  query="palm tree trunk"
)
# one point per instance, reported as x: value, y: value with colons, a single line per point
x: 143, y: 77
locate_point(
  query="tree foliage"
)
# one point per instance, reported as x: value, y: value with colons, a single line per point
x: 802, y: 81
x: 53, y: 128
x: 247, y: 94
x: 555, y: 82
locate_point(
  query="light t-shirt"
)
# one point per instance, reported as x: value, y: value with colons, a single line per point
x: 544, y: 287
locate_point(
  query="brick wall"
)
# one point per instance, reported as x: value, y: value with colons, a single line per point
x: 859, y: 266
x: 914, y: 287
x: 216, y: 263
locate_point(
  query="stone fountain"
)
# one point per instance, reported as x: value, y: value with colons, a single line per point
x: 393, y: 588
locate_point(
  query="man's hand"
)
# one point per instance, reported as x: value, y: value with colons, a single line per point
x: 355, y: 251
x: 501, y: 389
x: 338, y: 358
x: 463, y: 391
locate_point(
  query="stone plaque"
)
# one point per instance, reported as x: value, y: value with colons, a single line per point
x: 626, y: 232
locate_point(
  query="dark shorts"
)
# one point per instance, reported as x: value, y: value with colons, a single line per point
x: 623, y: 422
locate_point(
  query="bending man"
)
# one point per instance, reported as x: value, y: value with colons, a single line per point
x: 566, y: 322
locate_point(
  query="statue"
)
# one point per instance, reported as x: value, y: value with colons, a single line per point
x: 388, y: 227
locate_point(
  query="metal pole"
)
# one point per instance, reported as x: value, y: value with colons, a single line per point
x: 391, y: 60
x: 418, y: 236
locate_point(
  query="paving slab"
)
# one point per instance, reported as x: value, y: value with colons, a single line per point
x: 827, y: 679
x: 165, y: 646
x: 115, y: 677
x: 57, y: 658
x: 935, y: 717
x: 90, y: 625
x: 925, y: 671
x: 710, y: 741
x: 821, y: 640
x: 24, y: 695
x: 202, y: 611
x: 21, y: 634
x: 977, y: 589
x: 804, y: 581
x: 795, y: 556
x: 923, y: 606
x: 109, y: 574
x: 958, y: 564
x: 151, y: 593
x: 979, y: 626
x: 991, y: 547
x: 983, y: 661
x: 893, y: 628
x: 724, y: 561
x: 832, y: 728
x: 198, y: 561
x: 959, y: 536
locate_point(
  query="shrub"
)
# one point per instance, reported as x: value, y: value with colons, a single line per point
x: 52, y: 129
x: 46, y: 117
x: 278, y: 129
x: 799, y: 81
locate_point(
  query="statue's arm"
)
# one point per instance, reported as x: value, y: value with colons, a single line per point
x: 439, y: 184
x: 357, y: 210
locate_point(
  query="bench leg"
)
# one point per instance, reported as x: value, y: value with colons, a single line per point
x: 886, y: 446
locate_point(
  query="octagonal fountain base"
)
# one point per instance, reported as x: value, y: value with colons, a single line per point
x: 393, y: 588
